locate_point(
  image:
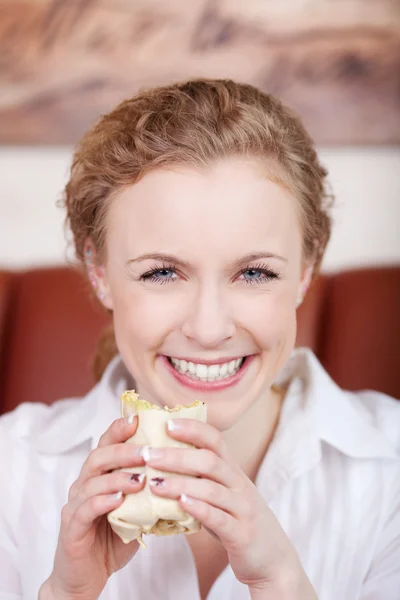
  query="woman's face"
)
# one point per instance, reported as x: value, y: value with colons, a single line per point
x: 202, y: 274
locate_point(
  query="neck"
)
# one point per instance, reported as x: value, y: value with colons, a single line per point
x: 249, y: 440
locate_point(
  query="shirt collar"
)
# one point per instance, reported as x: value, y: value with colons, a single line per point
x: 335, y: 416
x: 315, y: 409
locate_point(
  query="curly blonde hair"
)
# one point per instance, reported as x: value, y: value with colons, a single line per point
x: 193, y: 123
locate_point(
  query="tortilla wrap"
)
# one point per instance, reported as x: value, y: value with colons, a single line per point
x: 144, y: 512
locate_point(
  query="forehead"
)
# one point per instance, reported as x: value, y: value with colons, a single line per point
x: 227, y: 207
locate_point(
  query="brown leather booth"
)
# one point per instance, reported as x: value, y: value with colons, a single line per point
x: 49, y: 326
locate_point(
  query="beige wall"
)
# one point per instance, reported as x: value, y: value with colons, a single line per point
x: 366, y: 182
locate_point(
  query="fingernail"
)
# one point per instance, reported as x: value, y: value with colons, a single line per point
x: 186, y: 499
x: 148, y: 453
x: 138, y: 477
x: 118, y: 496
x: 145, y: 453
x: 174, y: 425
x: 156, y: 481
x: 129, y: 420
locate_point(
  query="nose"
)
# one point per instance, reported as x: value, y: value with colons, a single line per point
x: 209, y: 322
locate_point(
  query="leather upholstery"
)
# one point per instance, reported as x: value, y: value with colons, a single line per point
x: 361, y: 336
x: 49, y: 326
x: 52, y: 328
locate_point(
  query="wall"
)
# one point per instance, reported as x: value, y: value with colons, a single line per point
x: 366, y: 182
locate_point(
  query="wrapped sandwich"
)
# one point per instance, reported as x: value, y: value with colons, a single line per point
x: 144, y: 512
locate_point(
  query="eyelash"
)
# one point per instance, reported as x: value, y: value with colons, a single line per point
x: 269, y: 274
x: 151, y: 275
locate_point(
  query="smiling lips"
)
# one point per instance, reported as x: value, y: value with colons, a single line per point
x: 207, y: 377
x: 209, y: 373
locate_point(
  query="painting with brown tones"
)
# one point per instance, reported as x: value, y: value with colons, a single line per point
x: 65, y: 62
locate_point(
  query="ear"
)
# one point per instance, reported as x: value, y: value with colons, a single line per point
x: 306, y: 278
x: 97, y: 275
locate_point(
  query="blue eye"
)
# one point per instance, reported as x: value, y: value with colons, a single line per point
x: 163, y: 274
x: 259, y: 275
x: 159, y: 275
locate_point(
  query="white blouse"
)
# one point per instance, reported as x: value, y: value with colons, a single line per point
x: 331, y: 476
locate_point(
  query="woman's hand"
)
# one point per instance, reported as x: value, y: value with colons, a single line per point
x: 88, y: 551
x: 230, y: 507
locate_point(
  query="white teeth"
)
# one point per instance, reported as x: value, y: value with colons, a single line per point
x: 231, y: 366
x: 201, y: 371
x: 191, y: 368
x: 213, y: 371
x: 207, y: 373
x: 223, y: 370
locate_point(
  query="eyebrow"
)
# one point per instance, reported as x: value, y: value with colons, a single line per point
x: 252, y: 256
x: 170, y: 258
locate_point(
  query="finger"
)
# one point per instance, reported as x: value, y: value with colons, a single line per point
x: 193, y: 462
x: 201, y: 489
x: 86, y: 513
x: 200, y: 435
x: 217, y: 521
x: 108, y: 458
x: 119, y: 481
x: 119, y: 431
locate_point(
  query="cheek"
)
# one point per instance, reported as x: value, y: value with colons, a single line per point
x: 272, y: 320
x: 141, y: 319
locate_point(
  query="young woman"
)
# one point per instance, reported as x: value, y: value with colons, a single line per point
x: 200, y: 214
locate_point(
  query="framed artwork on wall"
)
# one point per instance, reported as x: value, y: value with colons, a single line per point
x: 65, y: 62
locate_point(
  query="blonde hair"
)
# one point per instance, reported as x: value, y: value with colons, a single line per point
x: 193, y: 123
